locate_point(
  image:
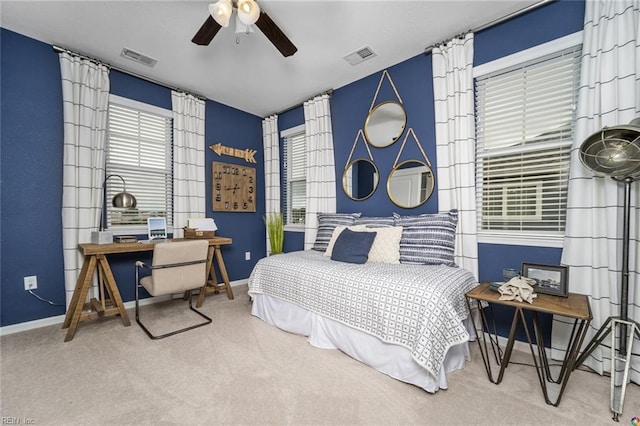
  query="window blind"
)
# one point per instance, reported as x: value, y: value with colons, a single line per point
x: 524, y: 129
x: 139, y: 148
x: 295, y: 174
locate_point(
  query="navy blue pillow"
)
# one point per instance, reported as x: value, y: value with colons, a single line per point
x: 353, y: 247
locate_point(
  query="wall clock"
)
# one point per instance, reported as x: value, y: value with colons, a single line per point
x: 233, y: 188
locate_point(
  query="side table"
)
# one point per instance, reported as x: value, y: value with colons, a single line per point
x: 575, y: 306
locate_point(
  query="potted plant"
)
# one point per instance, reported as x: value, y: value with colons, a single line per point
x: 275, y: 231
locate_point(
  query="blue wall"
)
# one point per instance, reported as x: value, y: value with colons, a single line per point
x: 31, y: 163
x: 31, y: 175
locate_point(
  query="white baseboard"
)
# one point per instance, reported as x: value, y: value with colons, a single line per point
x: 59, y: 319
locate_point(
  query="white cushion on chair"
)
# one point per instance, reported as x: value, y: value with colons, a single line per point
x: 177, y: 279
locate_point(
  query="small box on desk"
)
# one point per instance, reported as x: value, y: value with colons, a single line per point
x: 200, y: 228
x: 196, y: 233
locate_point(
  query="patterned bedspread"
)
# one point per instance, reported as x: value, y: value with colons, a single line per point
x: 419, y: 307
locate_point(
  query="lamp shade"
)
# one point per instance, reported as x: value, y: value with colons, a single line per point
x: 248, y: 11
x: 613, y: 151
x: 124, y: 200
x: 221, y: 12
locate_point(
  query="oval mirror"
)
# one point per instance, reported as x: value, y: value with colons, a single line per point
x: 410, y: 184
x: 360, y: 179
x: 385, y: 124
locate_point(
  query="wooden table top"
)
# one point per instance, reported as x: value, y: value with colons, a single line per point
x: 573, y: 306
x: 88, y: 249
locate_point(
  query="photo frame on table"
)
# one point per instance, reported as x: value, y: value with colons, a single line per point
x: 550, y: 279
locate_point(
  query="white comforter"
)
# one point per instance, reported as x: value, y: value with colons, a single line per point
x: 419, y: 307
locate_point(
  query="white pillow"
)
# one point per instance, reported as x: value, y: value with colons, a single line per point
x: 385, y: 248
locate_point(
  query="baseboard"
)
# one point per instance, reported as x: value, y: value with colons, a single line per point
x: 521, y: 346
x: 59, y: 319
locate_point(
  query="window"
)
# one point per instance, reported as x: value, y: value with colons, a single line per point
x: 525, y: 117
x: 139, y: 148
x: 295, y: 174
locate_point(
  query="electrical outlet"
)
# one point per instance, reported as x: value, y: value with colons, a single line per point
x: 247, y: 255
x: 30, y: 282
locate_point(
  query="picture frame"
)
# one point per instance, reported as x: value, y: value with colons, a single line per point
x: 550, y: 279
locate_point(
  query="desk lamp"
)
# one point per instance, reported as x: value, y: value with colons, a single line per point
x: 120, y: 200
x: 615, y: 151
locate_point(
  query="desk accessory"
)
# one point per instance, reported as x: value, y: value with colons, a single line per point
x: 200, y: 228
x: 120, y: 200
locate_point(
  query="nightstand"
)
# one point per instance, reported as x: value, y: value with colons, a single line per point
x: 575, y: 306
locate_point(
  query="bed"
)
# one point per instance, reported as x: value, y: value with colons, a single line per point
x: 406, y: 319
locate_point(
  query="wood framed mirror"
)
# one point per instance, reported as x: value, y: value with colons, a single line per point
x: 360, y: 179
x: 385, y: 123
x: 410, y: 184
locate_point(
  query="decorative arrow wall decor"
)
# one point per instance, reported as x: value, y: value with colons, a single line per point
x: 245, y: 154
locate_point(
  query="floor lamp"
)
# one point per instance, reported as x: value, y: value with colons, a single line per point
x: 615, y: 152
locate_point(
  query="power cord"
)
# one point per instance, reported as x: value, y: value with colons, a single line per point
x: 43, y: 299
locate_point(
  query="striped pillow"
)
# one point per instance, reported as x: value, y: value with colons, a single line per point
x: 376, y: 222
x: 428, y: 239
x: 327, y: 222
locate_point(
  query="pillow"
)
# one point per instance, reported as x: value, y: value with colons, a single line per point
x: 336, y: 233
x: 353, y: 247
x: 428, y: 239
x: 385, y: 248
x: 327, y: 222
x: 376, y: 222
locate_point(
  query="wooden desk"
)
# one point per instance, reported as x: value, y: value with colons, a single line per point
x: 575, y: 306
x: 95, y: 257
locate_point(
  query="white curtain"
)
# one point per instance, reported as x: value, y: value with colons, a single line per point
x: 271, y: 144
x: 321, y: 171
x: 188, y: 160
x: 455, y: 142
x: 85, y: 97
x: 609, y: 95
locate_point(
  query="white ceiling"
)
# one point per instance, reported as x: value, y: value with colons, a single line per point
x: 252, y: 75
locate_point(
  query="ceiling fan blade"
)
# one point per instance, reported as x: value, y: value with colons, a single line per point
x: 207, y: 32
x: 275, y: 35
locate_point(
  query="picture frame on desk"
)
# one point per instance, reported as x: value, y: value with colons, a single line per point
x: 550, y: 279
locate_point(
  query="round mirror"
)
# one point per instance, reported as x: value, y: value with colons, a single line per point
x: 385, y: 124
x: 360, y: 179
x: 410, y: 184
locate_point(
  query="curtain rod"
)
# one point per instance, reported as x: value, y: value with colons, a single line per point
x: 326, y: 92
x: 492, y: 23
x: 142, y: 77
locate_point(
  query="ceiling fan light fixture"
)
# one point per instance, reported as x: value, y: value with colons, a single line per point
x: 248, y: 11
x: 221, y: 12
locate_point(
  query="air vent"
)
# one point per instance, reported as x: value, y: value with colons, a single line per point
x: 138, y: 57
x: 360, y: 55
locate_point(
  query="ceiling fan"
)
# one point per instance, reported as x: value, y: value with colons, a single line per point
x: 248, y: 13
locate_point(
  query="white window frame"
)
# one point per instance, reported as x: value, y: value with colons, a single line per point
x: 284, y: 135
x: 117, y: 183
x: 515, y: 237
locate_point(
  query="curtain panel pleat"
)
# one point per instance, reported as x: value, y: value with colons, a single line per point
x: 188, y: 160
x: 609, y: 95
x: 85, y: 97
x: 271, y: 146
x: 321, y: 172
x: 455, y: 142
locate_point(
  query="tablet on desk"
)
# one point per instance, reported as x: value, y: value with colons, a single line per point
x: 156, y: 228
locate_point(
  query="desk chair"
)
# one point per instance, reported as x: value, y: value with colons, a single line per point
x: 177, y: 267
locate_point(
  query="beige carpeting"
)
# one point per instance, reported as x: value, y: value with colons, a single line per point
x: 240, y: 370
